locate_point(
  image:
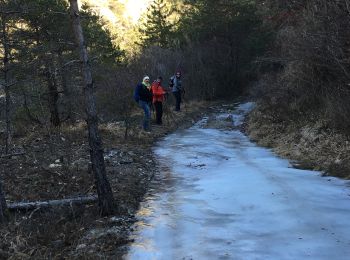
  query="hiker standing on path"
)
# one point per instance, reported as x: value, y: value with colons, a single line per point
x: 143, y: 97
x: 176, y: 86
x: 158, y: 98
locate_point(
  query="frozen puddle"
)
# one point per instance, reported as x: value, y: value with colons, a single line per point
x: 223, y: 197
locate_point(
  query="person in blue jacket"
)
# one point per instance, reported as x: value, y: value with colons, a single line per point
x: 143, y: 97
x: 175, y: 85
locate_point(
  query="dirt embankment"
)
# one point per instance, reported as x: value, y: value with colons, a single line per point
x: 310, y: 145
x: 55, y: 165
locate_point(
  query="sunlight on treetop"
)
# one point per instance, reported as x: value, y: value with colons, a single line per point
x: 132, y: 8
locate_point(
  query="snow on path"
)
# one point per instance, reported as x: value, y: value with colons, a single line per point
x: 223, y: 197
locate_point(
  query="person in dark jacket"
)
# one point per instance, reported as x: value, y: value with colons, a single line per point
x: 177, y: 89
x: 143, y: 97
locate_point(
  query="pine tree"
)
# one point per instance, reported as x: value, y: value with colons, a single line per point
x: 45, y: 37
x: 46, y: 58
x: 98, y: 39
x: 157, y: 30
x: 6, y: 78
x: 9, y: 14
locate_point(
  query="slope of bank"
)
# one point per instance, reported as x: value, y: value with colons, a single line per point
x: 308, y: 143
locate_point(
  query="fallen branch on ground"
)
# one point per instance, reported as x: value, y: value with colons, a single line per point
x: 51, y: 203
x: 12, y: 154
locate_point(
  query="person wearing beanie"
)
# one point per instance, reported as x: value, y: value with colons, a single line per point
x: 143, y: 97
x: 176, y: 87
x: 158, y: 98
x: 145, y: 81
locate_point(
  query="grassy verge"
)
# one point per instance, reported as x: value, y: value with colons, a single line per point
x: 56, y: 165
x: 308, y: 142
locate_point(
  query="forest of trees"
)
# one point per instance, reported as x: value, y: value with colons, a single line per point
x: 293, y: 56
x: 41, y: 68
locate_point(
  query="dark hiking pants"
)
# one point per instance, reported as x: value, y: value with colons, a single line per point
x: 159, y: 112
x: 177, y: 95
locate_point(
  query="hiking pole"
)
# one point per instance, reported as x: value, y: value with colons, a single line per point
x: 153, y: 111
x: 183, y: 99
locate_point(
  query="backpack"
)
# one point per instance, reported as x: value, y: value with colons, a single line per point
x: 171, y: 82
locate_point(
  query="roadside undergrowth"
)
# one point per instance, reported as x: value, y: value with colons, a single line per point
x: 55, y: 165
x: 308, y: 142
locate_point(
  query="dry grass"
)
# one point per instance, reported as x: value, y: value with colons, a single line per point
x: 66, y: 232
x: 311, y: 144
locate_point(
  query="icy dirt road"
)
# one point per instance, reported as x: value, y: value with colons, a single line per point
x: 222, y: 197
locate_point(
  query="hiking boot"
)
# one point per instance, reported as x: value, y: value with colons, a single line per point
x: 144, y: 133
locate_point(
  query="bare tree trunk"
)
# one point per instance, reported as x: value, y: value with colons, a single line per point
x: 66, y: 90
x: 3, y: 206
x: 7, y: 84
x: 8, y: 118
x: 53, y: 97
x: 104, y: 190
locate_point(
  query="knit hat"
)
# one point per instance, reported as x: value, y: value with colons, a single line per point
x: 145, y: 78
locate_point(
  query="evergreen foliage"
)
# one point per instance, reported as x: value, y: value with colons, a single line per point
x: 157, y: 30
x: 43, y: 58
x: 228, y: 36
x: 98, y: 38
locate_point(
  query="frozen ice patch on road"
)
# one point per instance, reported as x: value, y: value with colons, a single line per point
x: 241, y: 112
x: 243, y: 202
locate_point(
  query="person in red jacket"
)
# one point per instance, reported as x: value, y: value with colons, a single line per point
x: 158, y: 98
